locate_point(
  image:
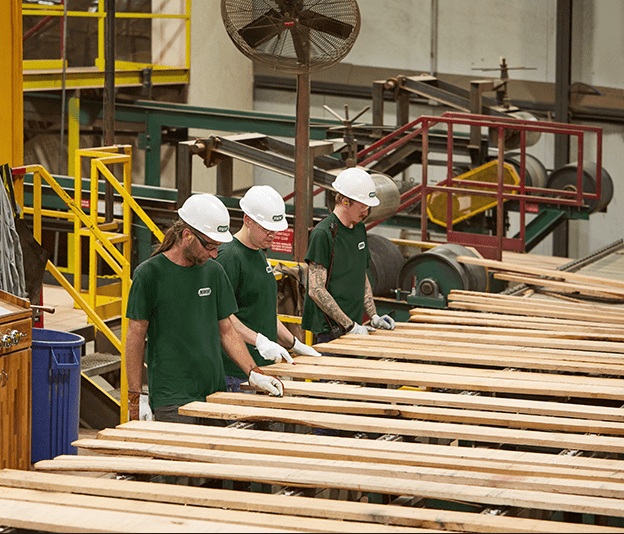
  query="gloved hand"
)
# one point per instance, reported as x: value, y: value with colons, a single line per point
x: 270, y: 350
x: 304, y: 350
x: 359, y: 329
x: 383, y: 323
x: 268, y: 383
x: 138, y: 407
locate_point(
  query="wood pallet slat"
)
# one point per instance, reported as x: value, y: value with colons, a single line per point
x: 310, y: 478
x: 281, y: 504
x: 360, y: 423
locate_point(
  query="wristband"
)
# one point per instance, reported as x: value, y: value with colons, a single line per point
x: 350, y: 327
x: 293, y: 344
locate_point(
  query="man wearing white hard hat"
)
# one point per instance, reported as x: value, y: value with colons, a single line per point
x: 254, y: 284
x: 339, y: 293
x: 179, y: 309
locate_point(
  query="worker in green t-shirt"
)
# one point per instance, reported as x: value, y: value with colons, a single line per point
x: 339, y: 292
x: 179, y: 310
x: 255, y: 287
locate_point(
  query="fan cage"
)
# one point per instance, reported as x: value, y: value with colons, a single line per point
x: 275, y: 32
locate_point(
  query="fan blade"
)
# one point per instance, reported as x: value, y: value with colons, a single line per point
x: 262, y: 29
x: 325, y: 24
x: 301, y: 42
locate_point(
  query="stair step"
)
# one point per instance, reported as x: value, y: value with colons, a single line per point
x: 98, y: 363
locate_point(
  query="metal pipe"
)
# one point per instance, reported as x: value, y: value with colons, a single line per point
x: 434, y: 38
x: 109, y: 99
x: 64, y: 84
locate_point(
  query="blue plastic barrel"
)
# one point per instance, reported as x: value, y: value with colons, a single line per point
x: 55, y: 393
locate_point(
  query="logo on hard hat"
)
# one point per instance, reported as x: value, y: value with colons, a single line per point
x: 372, y: 194
x: 204, y: 292
x: 277, y: 218
x: 222, y: 228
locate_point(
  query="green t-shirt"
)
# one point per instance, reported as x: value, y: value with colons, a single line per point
x: 348, y: 277
x: 183, y: 306
x: 255, y: 288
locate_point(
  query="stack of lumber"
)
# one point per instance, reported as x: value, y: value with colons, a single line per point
x: 515, y: 409
x: 552, y: 279
x: 477, y: 477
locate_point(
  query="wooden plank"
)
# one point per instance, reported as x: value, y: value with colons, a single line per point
x: 506, y: 320
x: 551, y: 273
x: 355, y: 454
x: 443, y: 378
x: 280, y: 504
x: 519, y: 341
x: 213, y: 518
x: 360, y: 423
x: 582, y: 312
x: 564, y: 287
x: 474, y: 402
x: 582, y: 484
x: 312, y: 478
x: 380, y: 339
x: 497, y: 307
x: 472, y: 355
x: 44, y: 517
x: 370, y: 446
x: 378, y: 409
x: 576, y: 333
x: 386, y: 369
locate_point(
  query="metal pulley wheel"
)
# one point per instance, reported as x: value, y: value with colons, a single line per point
x: 565, y: 178
x: 439, y: 267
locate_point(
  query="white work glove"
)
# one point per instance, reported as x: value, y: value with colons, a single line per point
x: 383, y: 323
x: 270, y: 350
x: 360, y: 329
x: 145, y: 412
x: 304, y: 350
x: 268, y: 383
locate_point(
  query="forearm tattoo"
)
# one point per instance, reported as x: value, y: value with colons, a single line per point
x: 369, y: 303
x: 317, y: 276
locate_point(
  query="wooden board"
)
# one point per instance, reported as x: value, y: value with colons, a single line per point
x: 458, y: 378
x: 307, y: 508
x: 316, y: 478
x: 116, y: 514
x: 359, y: 423
x: 535, y: 271
x: 548, y: 480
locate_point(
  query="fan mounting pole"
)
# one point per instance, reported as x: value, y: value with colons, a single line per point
x: 303, y: 168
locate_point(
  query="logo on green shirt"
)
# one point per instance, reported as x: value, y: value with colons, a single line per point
x: 204, y: 292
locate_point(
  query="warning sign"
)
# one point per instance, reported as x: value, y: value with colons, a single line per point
x: 283, y: 241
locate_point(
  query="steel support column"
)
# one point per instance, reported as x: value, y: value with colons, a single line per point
x: 303, y: 167
x: 562, y: 107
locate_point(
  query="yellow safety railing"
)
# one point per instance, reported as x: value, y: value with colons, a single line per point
x: 41, y: 10
x: 103, y: 242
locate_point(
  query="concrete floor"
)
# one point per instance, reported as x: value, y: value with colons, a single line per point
x: 65, y: 316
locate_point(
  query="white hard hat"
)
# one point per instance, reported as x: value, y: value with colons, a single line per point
x: 208, y: 214
x: 265, y: 206
x: 355, y: 183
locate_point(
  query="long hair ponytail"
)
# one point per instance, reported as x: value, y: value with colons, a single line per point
x: 172, y: 235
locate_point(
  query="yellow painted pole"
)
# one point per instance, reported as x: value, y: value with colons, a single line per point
x: 73, y: 132
x: 11, y: 88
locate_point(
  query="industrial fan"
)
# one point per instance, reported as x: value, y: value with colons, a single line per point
x: 296, y: 37
x: 293, y: 36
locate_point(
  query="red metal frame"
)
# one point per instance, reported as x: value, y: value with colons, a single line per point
x: 490, y: 246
